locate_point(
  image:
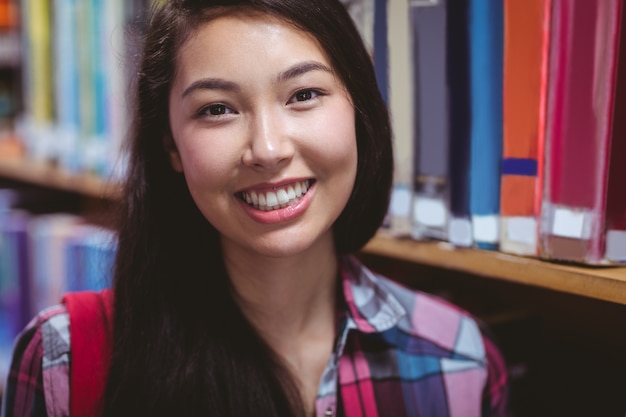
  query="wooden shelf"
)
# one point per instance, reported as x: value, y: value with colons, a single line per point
x: 47, y: 175
x: 601, y: 283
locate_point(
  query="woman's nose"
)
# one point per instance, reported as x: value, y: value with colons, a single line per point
x: 269, y: 146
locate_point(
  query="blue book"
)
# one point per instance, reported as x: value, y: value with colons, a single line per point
x: 486, y: 36
x: 66, y: 81
x: 381, y: 59
x: 75, y: 254
x: 15, y: 271
x: 100, y: 255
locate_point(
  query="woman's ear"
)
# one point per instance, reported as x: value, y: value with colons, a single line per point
x: 172, y: 151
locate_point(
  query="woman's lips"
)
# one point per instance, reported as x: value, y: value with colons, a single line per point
x: 277, y: 197
x: 278, y: 204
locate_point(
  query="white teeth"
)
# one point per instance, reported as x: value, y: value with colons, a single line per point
x: 282, y: 196
x: 278, y: 198
x: 271, y: 199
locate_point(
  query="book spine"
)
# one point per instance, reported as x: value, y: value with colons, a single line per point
x: 39, y: 27
x: 526, y: 46
x: 66, y: 82
x: 118, y: 105
x: 35, y: 127
x: 84, y: 17
x: 400, y: 103
x: 616, y: 197
x: 582, y: 81
x: 486, y: 67
x: 430, y: 121
x: 460, y: 225
x: 101, y: 38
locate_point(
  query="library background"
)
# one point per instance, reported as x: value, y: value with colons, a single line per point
x: 509, y: 200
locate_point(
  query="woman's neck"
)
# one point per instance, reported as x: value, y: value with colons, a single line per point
x: 286, y: 298
x: 292, y: 304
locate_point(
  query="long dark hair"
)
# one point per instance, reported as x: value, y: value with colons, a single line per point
x: 180, y: 344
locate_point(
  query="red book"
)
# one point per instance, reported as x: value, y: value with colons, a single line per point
x: 582, y: 75
x: 616, y: 197
x: 526, y: 53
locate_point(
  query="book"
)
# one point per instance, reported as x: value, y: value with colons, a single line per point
x: 15, y: 270
x: 48, y: 234
x: 486, y: 23
x: 66, y: 76
x: 120, y: 55
x: 526, y: 53
x: 89, y: 255
x: 9, y: 19
x: 615, y: 221
x: 36, y: 126
x: 400, y: 104
x: 430, y: 121
x: 458, y: 75
x: 583, y: 63
x: 11, y: 315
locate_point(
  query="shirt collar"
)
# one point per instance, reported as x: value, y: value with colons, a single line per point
x: 372, y: 308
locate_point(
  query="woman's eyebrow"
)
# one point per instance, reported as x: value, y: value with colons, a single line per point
x: 301, y: 68
x: 290, y: 73
x: 211, y: 84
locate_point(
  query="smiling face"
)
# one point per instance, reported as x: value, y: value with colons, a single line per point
x: 264, y: 132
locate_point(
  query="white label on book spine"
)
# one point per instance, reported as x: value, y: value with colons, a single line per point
x: 486, y: 228
x: 429, y: 211
x: 522, y: 230
x: 616, y: 245
x: 460, y: 231
x: 568, y: 223
x: 400, y: 204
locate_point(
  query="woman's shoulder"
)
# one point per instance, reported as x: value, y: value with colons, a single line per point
x: 422, y: 317
x: 47, y: 334
x: 39, y: 373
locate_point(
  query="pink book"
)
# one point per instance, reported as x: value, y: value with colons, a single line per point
x: 616, y: 198
x: 582, y: 77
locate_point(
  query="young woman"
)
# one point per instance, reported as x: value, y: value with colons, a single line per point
x: 261, y: 158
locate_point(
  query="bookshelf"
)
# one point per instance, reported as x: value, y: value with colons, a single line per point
x: 47, y: 175
x: 600, y: 283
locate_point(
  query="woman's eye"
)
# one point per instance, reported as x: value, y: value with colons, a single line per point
x: 215, y: 110
x: 304, y: 95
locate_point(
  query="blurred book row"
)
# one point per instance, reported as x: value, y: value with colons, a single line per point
x: 43, y: 255
x: 75, y: 68
x: 505, y: 113
x: 517, y: 136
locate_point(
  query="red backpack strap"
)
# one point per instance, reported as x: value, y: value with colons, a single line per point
x: 91, y: 315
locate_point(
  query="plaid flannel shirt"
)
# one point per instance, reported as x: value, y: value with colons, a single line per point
x: 398, y: 352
